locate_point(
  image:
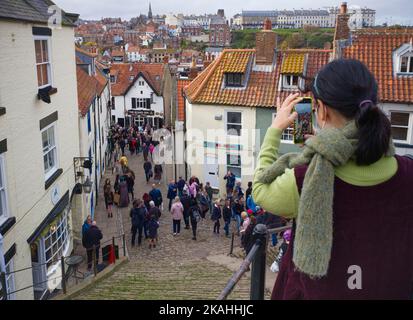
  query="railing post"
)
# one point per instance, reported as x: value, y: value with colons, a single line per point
x: 95, y: 271
x: 258, y: 264
x: 124, y: 245
x: 113, y: 248
x: 62, y: 261
x: 3, y: 285
x: 232, y: 244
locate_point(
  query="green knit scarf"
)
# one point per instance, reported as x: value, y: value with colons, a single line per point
x: 330, y: 148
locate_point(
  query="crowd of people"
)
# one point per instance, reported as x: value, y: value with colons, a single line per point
x: 189, y: 201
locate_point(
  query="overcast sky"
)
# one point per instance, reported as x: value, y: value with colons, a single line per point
x: 393, y: 11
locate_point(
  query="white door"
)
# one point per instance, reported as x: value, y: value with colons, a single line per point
x: 211, y: 168
x: 39, y: 267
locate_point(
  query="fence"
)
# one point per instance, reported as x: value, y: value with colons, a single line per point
x: 256, y: 257
x: 66, y: 273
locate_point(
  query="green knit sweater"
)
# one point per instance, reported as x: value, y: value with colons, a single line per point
x: 281, y: 196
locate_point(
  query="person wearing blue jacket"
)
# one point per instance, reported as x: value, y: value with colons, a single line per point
x: 137, y: 214
x: 156, y: 196
x: 230, y: 177
x: 172, y: 192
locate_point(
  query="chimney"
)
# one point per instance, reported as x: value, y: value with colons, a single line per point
x: 193, y: 72
x: 265, y: 44
x: 343, y: 8
x: 342, y: 31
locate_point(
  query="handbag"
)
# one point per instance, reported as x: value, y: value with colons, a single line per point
x: 116, y: 198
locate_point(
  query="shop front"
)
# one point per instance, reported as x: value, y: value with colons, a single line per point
x: 141, y: 118
x: 49, y: 242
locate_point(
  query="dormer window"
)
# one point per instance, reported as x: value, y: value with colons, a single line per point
x: 131, y: 78
x: 290, y: 81
x: 403, y: 60
x: 406, y: 63
x: 112, y: 79
x: 233, y: 79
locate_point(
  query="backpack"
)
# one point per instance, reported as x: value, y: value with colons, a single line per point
x: 196, y: 214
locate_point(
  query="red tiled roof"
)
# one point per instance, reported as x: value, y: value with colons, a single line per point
x: 262, y: 87
x: 181, y: 84
x: 153, y: 73
x: 102, y: 81
x: 374, y: 47
x: 117, y: 53
x: 86, y: 90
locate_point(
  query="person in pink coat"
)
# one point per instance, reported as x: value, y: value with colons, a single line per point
x: 177, y: 211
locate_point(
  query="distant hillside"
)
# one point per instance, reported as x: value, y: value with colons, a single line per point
x: 307, y: 37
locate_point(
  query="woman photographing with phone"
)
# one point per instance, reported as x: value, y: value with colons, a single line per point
x: 349, y: 195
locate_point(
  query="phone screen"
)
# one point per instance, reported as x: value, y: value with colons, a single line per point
x: 303, y: 124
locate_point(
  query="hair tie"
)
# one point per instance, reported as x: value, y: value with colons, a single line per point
x: 315, y: 85
x: 364, y: 102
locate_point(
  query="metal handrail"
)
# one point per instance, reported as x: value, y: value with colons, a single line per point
x: 256, y: 257
x: 239, y: 273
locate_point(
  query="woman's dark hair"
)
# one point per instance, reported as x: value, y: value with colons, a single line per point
x: 347, y: 86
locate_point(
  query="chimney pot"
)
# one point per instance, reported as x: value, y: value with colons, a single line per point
x: 343, y: 8
x: 267, y: 24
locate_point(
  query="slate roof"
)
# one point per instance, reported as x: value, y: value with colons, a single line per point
x: 33, y: 11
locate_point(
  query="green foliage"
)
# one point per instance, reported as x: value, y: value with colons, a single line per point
x: 307, y: 37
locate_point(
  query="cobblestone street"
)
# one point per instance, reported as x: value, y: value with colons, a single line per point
x: 178, y: 268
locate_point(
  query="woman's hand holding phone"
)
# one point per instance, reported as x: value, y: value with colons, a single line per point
x: 285, y: 117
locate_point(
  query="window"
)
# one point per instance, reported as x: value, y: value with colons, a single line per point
x: 234, y: 124
x: 141, y: 83
x: 89, y: 124
x: 112, y: 79
x: 400, y: 125
x: 57, y: 240
x: 406, y: 64
x: 288, y: 134
x: 41, y: 46
x: 131, y: 78
x: 3, y: 192
x: 290, y: 81
x: 9, y: 281
x: 49, y: 151
x: 233, y: 79
x: 234, y: 164
x: 113, y: 103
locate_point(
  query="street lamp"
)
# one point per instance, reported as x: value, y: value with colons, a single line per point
x: 87, y: 186
x: 80, y: 163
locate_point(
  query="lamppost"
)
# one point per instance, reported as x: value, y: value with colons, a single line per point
x: 80, y: 163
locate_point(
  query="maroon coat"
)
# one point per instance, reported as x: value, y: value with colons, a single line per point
x: 373, y: 229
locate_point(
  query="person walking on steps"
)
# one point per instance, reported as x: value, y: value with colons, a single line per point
x: 137, y: 214
x: 177, y: 212
x: 216, y: 215
x: 195, y: 216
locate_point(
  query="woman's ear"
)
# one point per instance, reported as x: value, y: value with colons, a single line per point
x: 322, y: 111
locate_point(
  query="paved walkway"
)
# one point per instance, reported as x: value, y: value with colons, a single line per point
x: 178, y: 268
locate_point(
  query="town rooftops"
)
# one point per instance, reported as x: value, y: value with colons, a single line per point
x: 375, y: 47
x: 33, y: 11
x: 261, y: 88
x: 152, y: 72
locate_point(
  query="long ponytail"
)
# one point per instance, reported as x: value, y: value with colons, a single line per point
x: 374, y: 133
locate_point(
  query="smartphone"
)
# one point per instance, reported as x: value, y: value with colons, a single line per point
x: 303, y: 124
